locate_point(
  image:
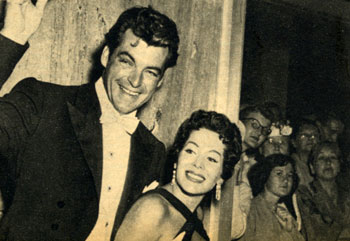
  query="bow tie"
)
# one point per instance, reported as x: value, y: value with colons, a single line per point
x: 127, y: 122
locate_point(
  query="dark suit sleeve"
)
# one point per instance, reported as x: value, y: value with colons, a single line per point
x: 167, y: 167
x: 19, y: 116
x: 12, y: 124
x: 161, y: 156
x: 10, y: 54
x: 16, y: 108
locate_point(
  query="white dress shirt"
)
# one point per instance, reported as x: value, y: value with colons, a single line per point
x: 116, y: 137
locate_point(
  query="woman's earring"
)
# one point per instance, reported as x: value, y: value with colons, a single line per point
x: 174, y: 175
x: 218, y: 191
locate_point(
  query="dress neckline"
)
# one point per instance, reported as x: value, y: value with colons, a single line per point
x: 192, y: 222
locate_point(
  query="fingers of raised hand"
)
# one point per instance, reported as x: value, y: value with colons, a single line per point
x: 17, y: 1
x: 40, y: 4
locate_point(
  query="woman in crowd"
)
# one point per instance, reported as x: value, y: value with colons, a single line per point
x: 205, y: 150
x: 278, y: 141
x: 269, y: 218
x: 324, y: 205
x: 305, y: 136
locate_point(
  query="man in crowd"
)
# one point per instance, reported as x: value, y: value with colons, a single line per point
x: 331, y: 127
x: 255, y: 123
x: 74, y: 159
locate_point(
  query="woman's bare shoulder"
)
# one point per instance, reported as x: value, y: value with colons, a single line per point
x: 151, y: 207
x: 145, y: 219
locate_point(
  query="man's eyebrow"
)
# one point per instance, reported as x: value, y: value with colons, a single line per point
x: 127, y: 54
x: 155, y: 68
x: 159, y: 70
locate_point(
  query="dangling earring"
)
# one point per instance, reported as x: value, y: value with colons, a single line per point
x: 218, y: 191
x: 174, y: 175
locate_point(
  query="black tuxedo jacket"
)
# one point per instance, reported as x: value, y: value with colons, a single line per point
x: 51, y: 158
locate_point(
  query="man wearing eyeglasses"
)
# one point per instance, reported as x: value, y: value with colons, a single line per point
x: 256, y: 122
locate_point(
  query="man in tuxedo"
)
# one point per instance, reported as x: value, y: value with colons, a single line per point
x: 73, y: 159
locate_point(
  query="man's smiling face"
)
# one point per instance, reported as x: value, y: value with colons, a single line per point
x: 133, y: 72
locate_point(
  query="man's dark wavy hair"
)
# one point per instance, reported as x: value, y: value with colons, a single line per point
x: 154, y: 28
x: 219, y: 123
x: 260, y: 172
x: 263, y: 109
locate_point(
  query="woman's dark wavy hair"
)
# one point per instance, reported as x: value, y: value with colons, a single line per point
x: 219, y: 123
x: 151, y: 26
x: 260, y: 172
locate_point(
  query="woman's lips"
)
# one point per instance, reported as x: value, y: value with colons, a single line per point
x: 194, y: 177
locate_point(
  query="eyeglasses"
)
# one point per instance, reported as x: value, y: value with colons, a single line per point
x: 277, y: 143
x: 308, y: 136
x: 255, y: 124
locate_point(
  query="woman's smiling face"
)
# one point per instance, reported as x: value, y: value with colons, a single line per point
x: 200, y: 162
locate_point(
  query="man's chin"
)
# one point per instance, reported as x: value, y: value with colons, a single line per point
x: 124, y: 111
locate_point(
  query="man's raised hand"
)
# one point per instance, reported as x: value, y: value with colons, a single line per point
x: 22, y: 19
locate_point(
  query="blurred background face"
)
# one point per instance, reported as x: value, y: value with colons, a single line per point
x: 326, y: 165
x: 307, y: 137
x: 275, y: 145
x: 257, y: 129
x: 200, y: 162
x: 280, y: 181
x: 332, y: 130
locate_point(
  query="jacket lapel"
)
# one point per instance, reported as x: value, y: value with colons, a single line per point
x: 143, y: 168
x: 85, y: 113
x: 140, y: 168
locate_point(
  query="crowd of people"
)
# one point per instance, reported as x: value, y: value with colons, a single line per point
x: 75, y: 161
x: 299, y: 180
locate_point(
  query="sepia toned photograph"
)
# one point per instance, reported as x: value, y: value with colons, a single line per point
x: 159, y: 120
